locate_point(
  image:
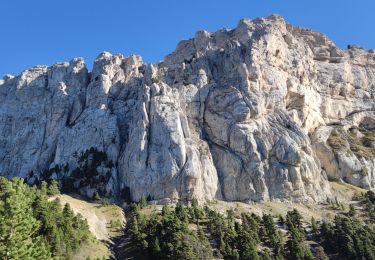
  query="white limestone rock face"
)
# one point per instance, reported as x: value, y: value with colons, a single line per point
x: 161, y: 159
x: 35, y: 108
x: 347, y: 153
x: 228, y: 115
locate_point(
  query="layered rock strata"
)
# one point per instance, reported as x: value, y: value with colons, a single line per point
x: 240, y: 115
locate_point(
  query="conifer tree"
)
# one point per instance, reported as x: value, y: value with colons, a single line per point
x: 156, y: 248
x: 143, y: 202
x: 53, y: 189
x: 352, y: 211
x: 181, y: 212
x: 296, y: 247
x: 43, y: 188
x: 18, y: 227
x: 293, y: 219
x: 32, y: 227
x: 68, y: 231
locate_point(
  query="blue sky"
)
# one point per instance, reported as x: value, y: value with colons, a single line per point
x: 47, y: 31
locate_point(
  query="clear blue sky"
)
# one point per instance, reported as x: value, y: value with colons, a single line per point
x: 47, y: 31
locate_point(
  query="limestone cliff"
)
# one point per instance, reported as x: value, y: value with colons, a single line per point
x: 244, y: 114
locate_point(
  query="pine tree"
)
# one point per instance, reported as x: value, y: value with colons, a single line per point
x: 296, y: 247
x: 67, y: 228
x: 156, y: 248
x: 55, y: 239
x: 195, y: 212
x: 43, y: 188
x: 143, y: 202
x: 352, y: 211
x: 53, y: 189
x: 278, y: 245
x: 81, y: 227
x: 293, y: 219
x: 41, y: 250
x: 32, y: 227
x: 166, y: 211
x: 134, y: 230
x: 181, y: 212
x: 18, y: 227
x: 269, y: 226
x: 248, y: 249
x: 222, y: 245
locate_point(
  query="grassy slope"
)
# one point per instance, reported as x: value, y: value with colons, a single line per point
x: 345, y: 194
x: 345, y: 191
x: 100, y: 219
x: 321, y: 211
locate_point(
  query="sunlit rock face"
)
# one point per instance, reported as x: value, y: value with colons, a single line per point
x: 240, y: 115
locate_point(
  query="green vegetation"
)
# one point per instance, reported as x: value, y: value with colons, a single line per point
x: 87, y: 174
x: 272, y: 237
x: 369, y: 205
x: 106, y: 225
x: 96, y: 196
x: 351, y: 234
x: 32, y: 227
x: 340, y: 140
x: 53, y: 189
x: 193, y: 232
x: 143, y: 202
x: 337, y: 141
x: 166, y: 236
x: 185, y: 231
x: 349, y: 238
x: 297, y: 249
x: 369, y: 138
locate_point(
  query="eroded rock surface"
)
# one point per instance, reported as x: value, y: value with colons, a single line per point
x: 228, y: 115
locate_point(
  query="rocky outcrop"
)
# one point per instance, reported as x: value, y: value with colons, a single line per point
x: 347, y: 152
x: 228, y: 115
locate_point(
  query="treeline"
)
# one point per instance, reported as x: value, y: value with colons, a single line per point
x: 254, y: 237
x: 192, y: 232
x: 369, y: 204
x: 348, y: 238
x: 167, y: 235
x: 33, y: 227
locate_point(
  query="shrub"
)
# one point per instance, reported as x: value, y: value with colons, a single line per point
x: 336, y: 141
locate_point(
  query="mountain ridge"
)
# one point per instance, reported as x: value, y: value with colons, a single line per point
x: 248, y: 114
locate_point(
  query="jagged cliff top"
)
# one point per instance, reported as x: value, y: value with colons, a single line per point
x: 244, y: 114
x: 323, y: 48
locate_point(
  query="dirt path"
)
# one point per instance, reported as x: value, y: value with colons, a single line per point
x: 121, y: 244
